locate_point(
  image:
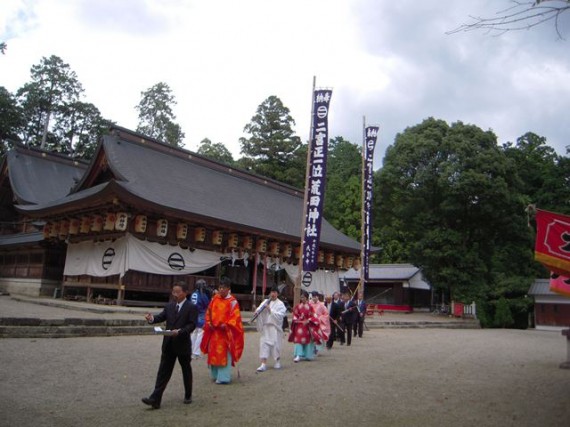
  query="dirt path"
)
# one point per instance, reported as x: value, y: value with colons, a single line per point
x: 391, y: 377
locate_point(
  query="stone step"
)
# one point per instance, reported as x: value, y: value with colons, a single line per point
x: 70, y: 331
x: 64, y: 328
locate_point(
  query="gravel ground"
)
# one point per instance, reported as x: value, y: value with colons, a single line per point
x: 391, y: 377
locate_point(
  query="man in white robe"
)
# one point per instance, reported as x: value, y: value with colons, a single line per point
x: 270, y: 324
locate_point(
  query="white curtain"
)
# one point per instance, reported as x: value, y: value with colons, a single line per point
x: 129, y: 253
x: 324, y: 281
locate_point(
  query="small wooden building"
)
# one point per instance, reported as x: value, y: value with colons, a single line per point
x: 144, y: 213
x: 393, y: 287
x: 551, y: 310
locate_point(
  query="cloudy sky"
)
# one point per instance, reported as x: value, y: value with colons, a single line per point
x: 389, y: 61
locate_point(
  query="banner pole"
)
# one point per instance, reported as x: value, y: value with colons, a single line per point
x: 297, y: 287
x: 363, y: 207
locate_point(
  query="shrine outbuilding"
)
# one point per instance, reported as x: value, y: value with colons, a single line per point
x: 392, y: 287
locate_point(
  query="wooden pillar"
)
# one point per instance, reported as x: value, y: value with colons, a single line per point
x: 120, y: 292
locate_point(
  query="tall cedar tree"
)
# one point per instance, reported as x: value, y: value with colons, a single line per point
x: 273, y: 149
x: 156, y: 118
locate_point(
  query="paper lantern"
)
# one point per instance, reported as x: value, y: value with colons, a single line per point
x: 339, y: 261
x: 329, y: 258
x: 110, y: 219
x: 140, y: 223
x: 63, y: 229
x: 96, y: 223
x: 261, y: 245
x: 248, y: 242
x: 217, y: 237
x: 54, y: 231
x: 121, y: 221
x: 181, y: 231
x: 274, y: 248
x: 321, y: 256
x: 47, y: 230
x: 74, y: 224
x: 162, y: 227
x: 356, y: 264
x: 85, y: 224
x: 199, y: 234
x: 287, y: 250
x: 348, y: 261
x: 233, y: 240
x: 298, y: 252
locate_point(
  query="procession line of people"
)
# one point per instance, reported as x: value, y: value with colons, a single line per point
x: 199, y: 324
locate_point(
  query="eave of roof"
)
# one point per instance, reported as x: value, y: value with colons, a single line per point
x: 170, y: 180
x: 21, y: 239
x: 385, y: 272
x: 38, y: 177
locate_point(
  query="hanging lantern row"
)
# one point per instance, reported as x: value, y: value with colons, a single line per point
x: 118, y: 221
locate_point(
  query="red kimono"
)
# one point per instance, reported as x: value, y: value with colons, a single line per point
x: 217, y: 340
x: 305, y: 325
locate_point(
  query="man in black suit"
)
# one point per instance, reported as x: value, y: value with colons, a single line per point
x: 334, y: 306
x: 181, y: 317
x: 361, y: 307
x: 348, y: 315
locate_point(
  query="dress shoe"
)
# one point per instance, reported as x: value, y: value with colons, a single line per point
x: 188, y: 400
x: 151, y: 402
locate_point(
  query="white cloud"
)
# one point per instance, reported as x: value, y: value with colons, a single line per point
x: 388, y: 61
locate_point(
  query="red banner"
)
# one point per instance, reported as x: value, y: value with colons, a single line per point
x: 560, y: 284
x: 552, y: 247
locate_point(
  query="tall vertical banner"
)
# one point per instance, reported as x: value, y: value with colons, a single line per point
x: 552, y: 246
x: 371, y: 134
x: 317, y: 168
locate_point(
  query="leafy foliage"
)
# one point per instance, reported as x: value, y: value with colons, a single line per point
x: 448, y: 187
x: 273, y: 149
x: 11, y: 120
x: 48, y: 111
x: 343, y: 192
x: 217, y: 151
x: 156, y: 118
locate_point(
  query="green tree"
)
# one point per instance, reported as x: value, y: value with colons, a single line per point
x: 156, y: 118
x: 11, y: 120
x: 542, y: 171
x: 272, y: 150
x: 79, y: 129
x: 53, y: 87
x: 448, y: 191
x: 343, y: 191
x: 3, y: 48
x: 217, y: 151
x: 503, y: 315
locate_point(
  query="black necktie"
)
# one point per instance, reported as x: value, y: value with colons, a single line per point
x: 177, y: 308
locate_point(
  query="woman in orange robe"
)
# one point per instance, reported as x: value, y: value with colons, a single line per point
x: 223, y: 338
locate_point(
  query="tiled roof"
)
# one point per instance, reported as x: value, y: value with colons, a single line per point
x: 39, y: 177
x: 179, y: 181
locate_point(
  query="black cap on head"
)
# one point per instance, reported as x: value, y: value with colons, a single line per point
x: 225, y: 282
